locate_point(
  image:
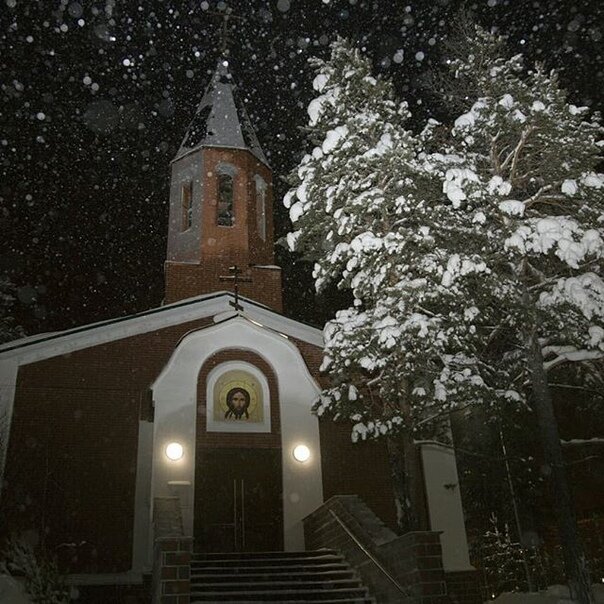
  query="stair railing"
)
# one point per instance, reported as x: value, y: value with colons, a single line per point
x: 399, y: 587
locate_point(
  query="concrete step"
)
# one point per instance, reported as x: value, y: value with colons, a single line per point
x: 321, y: 576
x: 232, y: 569
x: 351, y: 601
x: 314, y: 561
x: 269, y: 557
x: 304, y: 595
x: 273, y: 574
x: 317, y: 553
x: 278, y: 585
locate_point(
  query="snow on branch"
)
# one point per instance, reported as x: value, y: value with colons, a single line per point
x: 569, y: 354
x: 582, y: 441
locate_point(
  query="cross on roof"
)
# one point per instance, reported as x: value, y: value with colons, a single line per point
x: 225, y: 15
x: 236, y: 278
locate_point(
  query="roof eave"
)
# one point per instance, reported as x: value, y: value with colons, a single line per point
x: 260, y: 157
x: 23, y: 347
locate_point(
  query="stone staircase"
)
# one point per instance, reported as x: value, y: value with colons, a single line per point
x: 321, y: 576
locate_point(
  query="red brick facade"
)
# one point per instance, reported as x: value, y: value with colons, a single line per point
x: 172, y: 570
x: 463, y: 587
x: 72, y: 457
x: 347, y: 468
x: 219, y: 247
x: 351, y: 468
x: 71, y: 463
x: 189, y: 280
x: 217, y: 440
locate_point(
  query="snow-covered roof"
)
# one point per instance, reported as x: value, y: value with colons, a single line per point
x: 216, y: 306
x: 221, y: 119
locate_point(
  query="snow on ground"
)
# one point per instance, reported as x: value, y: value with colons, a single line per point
x: 554, y: 594
x: 11, y: 591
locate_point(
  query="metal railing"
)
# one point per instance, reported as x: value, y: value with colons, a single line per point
x: 404, y: 590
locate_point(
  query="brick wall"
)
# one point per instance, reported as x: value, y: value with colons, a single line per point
x: 220, y: 241
x: 116, y: 594
x: 356, y: 468
x: 463, y: 587
x: 71, y: 465
x: 171, y: 554
x: 351, y: 468
x: 216, y: 440
x: 198, y: 271
x: 71, y: 462
x: 188, y: 280
x: 172, y: 567
x: 413, y: 560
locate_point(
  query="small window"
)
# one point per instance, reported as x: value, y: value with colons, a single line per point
x: 224, y: 215
x: 261, y: 207
x: 186, y: 196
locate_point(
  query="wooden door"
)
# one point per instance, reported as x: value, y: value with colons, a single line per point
x: 238, y: 501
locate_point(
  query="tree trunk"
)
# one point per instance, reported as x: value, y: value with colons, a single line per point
x: 404, y: 470
x: 575, y: 564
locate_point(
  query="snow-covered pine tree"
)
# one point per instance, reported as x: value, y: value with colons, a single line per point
x: 502, y: 559
x: 522, y: 170
x: 405, y: 354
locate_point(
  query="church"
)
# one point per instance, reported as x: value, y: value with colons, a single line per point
x: 136, y: 448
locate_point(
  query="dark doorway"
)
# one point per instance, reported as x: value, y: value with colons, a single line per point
x: 238, y: 503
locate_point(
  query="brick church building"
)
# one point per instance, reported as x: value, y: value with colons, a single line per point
x: 192, y: 421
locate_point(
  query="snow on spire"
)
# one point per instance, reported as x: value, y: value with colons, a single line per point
x: 221, y: 119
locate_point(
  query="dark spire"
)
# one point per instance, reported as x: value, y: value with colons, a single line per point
x: 221, y: 119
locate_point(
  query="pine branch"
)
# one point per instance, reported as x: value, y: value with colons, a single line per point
x: 514, y: 155
x: 544, y: 282
x: 535, y: 198
x: 573, y: 387
x: 374, y: 380
x: 582, y: 460
x: 495, y: 157
x: 440, y: 414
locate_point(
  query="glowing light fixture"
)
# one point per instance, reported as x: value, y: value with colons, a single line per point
x: 301, y: 453
x: 174, y: 451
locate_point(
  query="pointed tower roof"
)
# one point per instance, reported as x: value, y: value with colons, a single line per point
x: 221, y: 119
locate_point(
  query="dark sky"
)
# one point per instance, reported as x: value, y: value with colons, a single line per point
x: 96, y: 96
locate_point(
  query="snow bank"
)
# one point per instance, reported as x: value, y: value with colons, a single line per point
x: 554, y: 594
x: 11, y: 591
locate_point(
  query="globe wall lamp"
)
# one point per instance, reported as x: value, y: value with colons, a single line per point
x: 301, y: 453
x: 174, y: 451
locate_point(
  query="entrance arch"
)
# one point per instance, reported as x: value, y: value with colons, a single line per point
x: 238, y: 460
x: 175, y: 399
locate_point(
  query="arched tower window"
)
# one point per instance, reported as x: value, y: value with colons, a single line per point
x: 261, y: 206
x: 225, y: 214
x: 186, y: 198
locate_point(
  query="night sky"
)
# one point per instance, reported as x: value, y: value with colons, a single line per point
x: 95, y: 98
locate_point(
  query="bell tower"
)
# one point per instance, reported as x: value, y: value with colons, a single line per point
x: 221, y: 203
